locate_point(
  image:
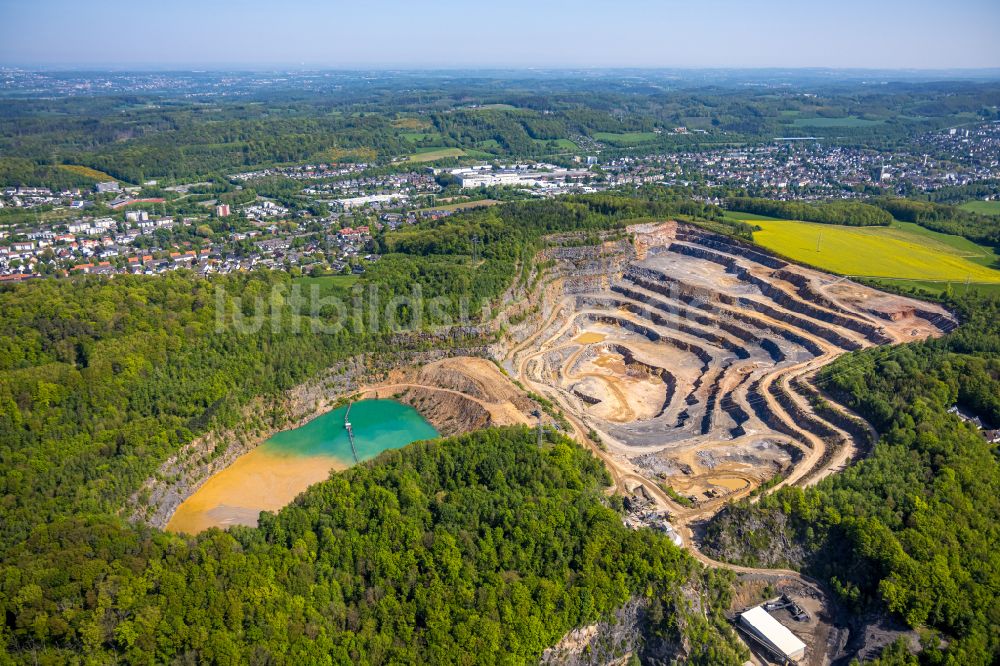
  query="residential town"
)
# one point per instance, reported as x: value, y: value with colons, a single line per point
x: 805, y: 169
x: 328, y: 222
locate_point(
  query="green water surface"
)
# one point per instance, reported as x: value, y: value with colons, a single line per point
x: 378, y: 425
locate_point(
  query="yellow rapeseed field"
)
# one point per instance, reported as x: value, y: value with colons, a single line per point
x: 891, y: 252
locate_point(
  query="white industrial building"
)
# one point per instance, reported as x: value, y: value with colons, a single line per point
x: 358, y: 202
x: 774, y: 635
x: 542, y: 175
x: 488, y: 179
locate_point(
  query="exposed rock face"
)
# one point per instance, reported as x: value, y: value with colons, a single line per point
x: 655, y: 631
x: 607, y: 642
x: 871, y: 635
x: 476, y: 377
x: 459, y: 394
x: 732, y: 539
x: 449, y: 413
x: 614, y: 641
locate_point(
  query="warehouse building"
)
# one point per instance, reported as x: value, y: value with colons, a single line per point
x: 772, y: 634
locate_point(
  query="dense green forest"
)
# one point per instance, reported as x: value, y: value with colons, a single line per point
x: 956, y: 194
x: 914, y: 527
x: 849, y: 213
x: 982, y: 229
x: 24, y: 171
x: 477, y: 549
x: 101, y: 380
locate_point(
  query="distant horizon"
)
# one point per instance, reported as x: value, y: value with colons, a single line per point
x: 921, y: 35
x: 140, y: 68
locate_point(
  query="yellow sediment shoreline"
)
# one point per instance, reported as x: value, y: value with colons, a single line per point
x: 727, y: 483
x: 257, y: 481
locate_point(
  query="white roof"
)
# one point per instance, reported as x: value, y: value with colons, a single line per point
x: 772, y: 630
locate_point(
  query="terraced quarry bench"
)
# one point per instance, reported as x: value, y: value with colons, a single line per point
x: 694, y: 358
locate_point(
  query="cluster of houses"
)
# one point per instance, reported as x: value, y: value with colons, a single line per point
x: 105, y: 245
x: 74, y: 198
x: 782, y: 170
x: 303, y: 172
x: 262, y: 210
x: 810, y: 169
x: 33, y: 197
x: 373, y: 192
x: 992, y: 435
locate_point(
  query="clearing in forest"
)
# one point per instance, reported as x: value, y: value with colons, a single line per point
x: 463, y: 205
x: 431, y: 154
x: 411, y: 123
x: 982, y: 207
x: 625, y: 138
x: 87, y: 172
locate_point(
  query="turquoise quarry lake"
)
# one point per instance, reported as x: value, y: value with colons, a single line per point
x: 273, y: 474
x: 378, y: 425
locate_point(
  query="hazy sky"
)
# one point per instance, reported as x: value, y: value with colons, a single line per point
x: 518, y: 33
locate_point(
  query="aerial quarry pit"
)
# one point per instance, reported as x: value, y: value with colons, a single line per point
x: 694, y: 360
x: 688, y: 362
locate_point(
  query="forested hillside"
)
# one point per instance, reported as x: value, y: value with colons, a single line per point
x: 179, y: 135
x: 914, y: 527
x: 477, y: 549
x: 982, y: 229
x: 101, y: 380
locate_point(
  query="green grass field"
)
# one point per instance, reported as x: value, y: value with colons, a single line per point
x: 983, y: 256
x: 478, y: 154
x: 957, y: 287
x: 494, y: 107
x: 899, y: 251
x: 625, y: 138
x: 431, y: 154
x: 412, y: 124
x: 561, y: 144
x: 982, y: 207
x: 328, y: 284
